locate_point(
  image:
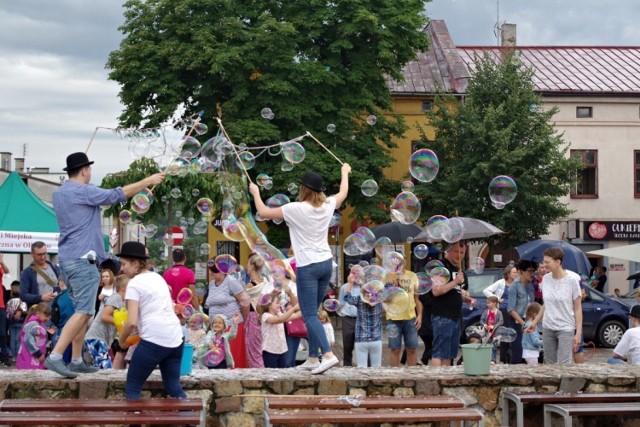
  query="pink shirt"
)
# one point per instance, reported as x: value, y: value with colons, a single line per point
x: 178, y: 277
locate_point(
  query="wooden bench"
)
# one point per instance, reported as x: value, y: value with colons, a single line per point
x: 102, y: 411
x: 381, y: 409
x: 520, y: 399
x: 569, y: 410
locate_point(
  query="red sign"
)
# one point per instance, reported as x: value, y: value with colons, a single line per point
x: 178, y: 235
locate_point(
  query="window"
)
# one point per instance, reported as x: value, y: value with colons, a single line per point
x: 427, y: 106
x: 636, y: 173
x: 584, y: 112
x: 586, y: 185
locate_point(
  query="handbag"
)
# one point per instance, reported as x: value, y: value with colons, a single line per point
x: 296, y: 328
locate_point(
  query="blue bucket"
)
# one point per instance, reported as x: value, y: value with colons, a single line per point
x: 187, y: 360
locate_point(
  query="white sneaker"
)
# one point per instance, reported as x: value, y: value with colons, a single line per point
x: 309, y: 366
x: 325, y: 365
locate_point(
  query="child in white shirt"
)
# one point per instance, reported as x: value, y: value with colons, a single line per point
x: 328, y: 327
x: 274, y: 341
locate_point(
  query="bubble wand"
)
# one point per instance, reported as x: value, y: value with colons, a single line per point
x: 322, y: 145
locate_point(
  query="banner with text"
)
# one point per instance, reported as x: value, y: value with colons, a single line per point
x: 18, y: 241
x: 612, y: 230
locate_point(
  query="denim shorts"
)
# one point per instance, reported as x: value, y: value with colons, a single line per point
x: 396, y: 329
x: 82, y: 279
x: 446, y: 337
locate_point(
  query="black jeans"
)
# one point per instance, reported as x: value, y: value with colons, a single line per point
x: 348, y: 339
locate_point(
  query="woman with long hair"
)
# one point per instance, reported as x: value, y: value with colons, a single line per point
x: 308, y: 221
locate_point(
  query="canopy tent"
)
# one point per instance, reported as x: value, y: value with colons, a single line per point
x: 24, y: 218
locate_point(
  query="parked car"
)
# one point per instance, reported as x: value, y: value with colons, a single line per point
x: 604, y: 318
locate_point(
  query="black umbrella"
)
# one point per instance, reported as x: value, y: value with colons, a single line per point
x: 634, y: 276
x: 397, y: 232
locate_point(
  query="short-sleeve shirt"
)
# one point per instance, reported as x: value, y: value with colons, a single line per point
x: 559, y: 295
x: 222, y: 298
x: 308, y: 228
x: 273, y: 338
x: 629, y: 346
x: 44, y: 287
x: 157, y: 322
x: 104, y: 331
x: 179, y: 277
x: 77, y: 209
x: 408, y: 281
x: 448, y: 305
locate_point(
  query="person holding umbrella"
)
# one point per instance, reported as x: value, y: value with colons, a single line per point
x: 561, y: 314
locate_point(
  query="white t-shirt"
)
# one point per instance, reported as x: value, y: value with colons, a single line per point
x: 157, y: 322
x: 629, y: 346
x: 274, y: 340
x: 559, y: 295
x: 308, y: 228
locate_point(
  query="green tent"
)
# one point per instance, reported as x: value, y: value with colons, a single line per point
x: 24, y: 218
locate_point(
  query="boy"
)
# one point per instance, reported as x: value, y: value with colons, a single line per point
x: 628, y: 349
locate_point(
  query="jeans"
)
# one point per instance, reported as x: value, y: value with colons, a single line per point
x: 82, y: 279
x: 4, y: 350
x: 558, y: 346
x: 292, y: 350
x: 516, y: 345
x: 406, y: 329
x: 272, y: 360
x: 14, y: 338
x: 313, y: 281
x: 146, y: 357
x: 348, y: 339
x: 369, y: 350
x: 446, y: 337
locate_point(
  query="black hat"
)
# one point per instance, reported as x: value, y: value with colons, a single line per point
x: 313, y: 181
x: 76, y: 161
x: 635, y: 311
x: 135, y: 250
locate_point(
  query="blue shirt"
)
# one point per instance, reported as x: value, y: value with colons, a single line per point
x: 520, y: 296
x: 348, y: 309
x: 368, y: 321
x: 77, y: 209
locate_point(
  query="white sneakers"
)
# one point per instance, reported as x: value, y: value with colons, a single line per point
x: 309, y: 366
x: 325, y: 365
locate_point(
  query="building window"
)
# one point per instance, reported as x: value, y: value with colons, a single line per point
x: 636, y: 173
x: 584, y: 112
x: 427, y: 106
x: 586, y: 183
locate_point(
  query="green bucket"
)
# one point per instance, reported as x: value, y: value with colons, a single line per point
x: 477, y: 358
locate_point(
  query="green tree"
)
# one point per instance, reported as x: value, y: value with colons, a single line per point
x: 499, y: 129
x: 314, y: 63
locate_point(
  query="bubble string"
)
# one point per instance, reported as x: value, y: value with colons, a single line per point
x: 322, y: 145
x: 233, y: 147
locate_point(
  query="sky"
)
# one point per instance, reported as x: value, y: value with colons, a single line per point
x: 55, y: 92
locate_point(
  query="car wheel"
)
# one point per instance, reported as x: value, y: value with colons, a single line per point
x: 610, y: 333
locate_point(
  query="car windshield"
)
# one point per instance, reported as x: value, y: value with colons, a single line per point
x: 478, y: 283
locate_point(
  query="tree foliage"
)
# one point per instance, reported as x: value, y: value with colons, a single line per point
x: 313, y: 63
x: 499, y: 129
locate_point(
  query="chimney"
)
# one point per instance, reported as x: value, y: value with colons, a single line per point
x: 508, y: 35
x: 5, y: 160
x: 19, y: 164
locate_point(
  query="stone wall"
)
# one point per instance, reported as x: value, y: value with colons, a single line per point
x: 231, y: 394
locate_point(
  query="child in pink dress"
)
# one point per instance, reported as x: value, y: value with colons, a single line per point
x: 33, y: 338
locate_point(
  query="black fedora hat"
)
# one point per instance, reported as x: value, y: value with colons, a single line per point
x: 635, y: 311
x: 77, y: 160
x: 313, y: 181
x: 135, y: 250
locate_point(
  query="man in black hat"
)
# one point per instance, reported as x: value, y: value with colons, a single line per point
x: 77, y: 204
x: 628, y: 349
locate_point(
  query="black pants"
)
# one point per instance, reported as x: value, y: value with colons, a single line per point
x: 348, y: 339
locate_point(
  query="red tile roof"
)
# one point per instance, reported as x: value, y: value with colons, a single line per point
x: 573, y: 69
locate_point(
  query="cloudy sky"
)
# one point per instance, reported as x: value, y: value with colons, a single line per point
x: 54, y: 90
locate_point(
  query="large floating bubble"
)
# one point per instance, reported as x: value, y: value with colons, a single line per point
x: 150, y: 230
x: 277, y: 200
x: 440, y: 275
x: 396, y: 301
x: 421, y: 251
x: 372, y: 292
x: 406, y: 208
x: 213, y: 357
x: 366, y: 239
x: 185, y: 296
x: 502, y: 189
x: 374, y: 272
x: 433, y: 264
x: 369, y: 187
x: 176, y: 193
x: 335, y: 220
x: 201, y: 128
x: 504, y: 334
x: 225, y: 263
x: 424, y: 165
x: 436, y: 226
x: 201, y: 289
x: 393, y: 262
x: 424, y: 283
x: 204, y: 249
x: 331, y: 305
x: 292, y: 188
x: 454, y: 230
x: 190, y: 148
x: 39, y: 335
x: 407, y: 186
x: 382, y: 246
x: 293, y: 152
x: 125, y: 216
x: 351, y: 245
x: 393, y: 331
x: 476, y: 264
x: 263, y: 180
x: 245, y: 160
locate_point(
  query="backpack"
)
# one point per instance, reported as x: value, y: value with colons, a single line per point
x: 61, y: 309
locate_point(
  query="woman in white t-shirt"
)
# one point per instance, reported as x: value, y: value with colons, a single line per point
x: 561, y: 313
x: 308, y: 222
x: 150, y: 309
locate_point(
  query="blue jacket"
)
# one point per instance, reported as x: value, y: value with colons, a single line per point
x: 29, y: 284
x: 519, y: 297
x: 531, y: 340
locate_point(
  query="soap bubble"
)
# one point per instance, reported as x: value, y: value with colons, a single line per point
x: 351, y: 245
x: 176, y: 193
x: 178, y: 214
x: 335, y: 220
x: 454, y: 230
x: 293, y: 152
x: 477, y: 264
x: 201, y: 128
x: 421, y: 251
x: 187, y: 311
x: 201, y: 289
x: 125, y: 216
x: 366, y: 239
x: 373, y: 273
x: 424, y: 283
x: 440, y: 275
x: 504, y: 334
x: 393, y: 262
x: 406, y: 208
x: 150, y: 230
x: 39, y: 335
x: 225, y: 263
x: 331, y: 305
x: 382, y: 246
x: 266, y: 113
x: 407, y: 186
x: 424, y: 165
x: 372, y: 120
x: 331, y: 128
x: 213, y: 357
x: 292, y: 188
x: 204, y: 206
x: 502, y: 189
x: 204, y: 249
x: 554, y: 180
x: 371, y: 292
x: 200, y: 227
x: 245, y: 160
x: 263, y: 180
x: 369, y: 188
x: 286, y: 166
x: 392, y: 330
x: 433, y: 264
x: 277, y: 200
x: 195, y: 192
x: 190, y: 148
x: 498, y: 205
x: 168, y: 239
x: 138, y: 231
x: 185, y: 296
x: 436, y: 226
x: 396, y: 301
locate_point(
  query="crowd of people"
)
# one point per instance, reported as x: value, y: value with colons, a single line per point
x: 248, y: 321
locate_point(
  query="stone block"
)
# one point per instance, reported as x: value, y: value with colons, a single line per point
x: 93, y: 390
x: 252, y: 383
x: 239, y: 420
x: 572, y: 384
x: 253, y: 405
x: 382, y: 390
x: 228, y: 404
x: 332, y: 387
x: 305, y: 391
x: 487, y: 397
x: 282, y: 387
x: 357, y: 392
x: 464, y: 393
x: 228, y: 388
x: 547, y: 389
x: 618, y: 380
x: 596, y: 388
x: 427, y: 387
x: 403, y: 392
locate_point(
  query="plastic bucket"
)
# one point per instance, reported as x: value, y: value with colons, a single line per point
x: 187, y: 359
x: 477, y: 358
